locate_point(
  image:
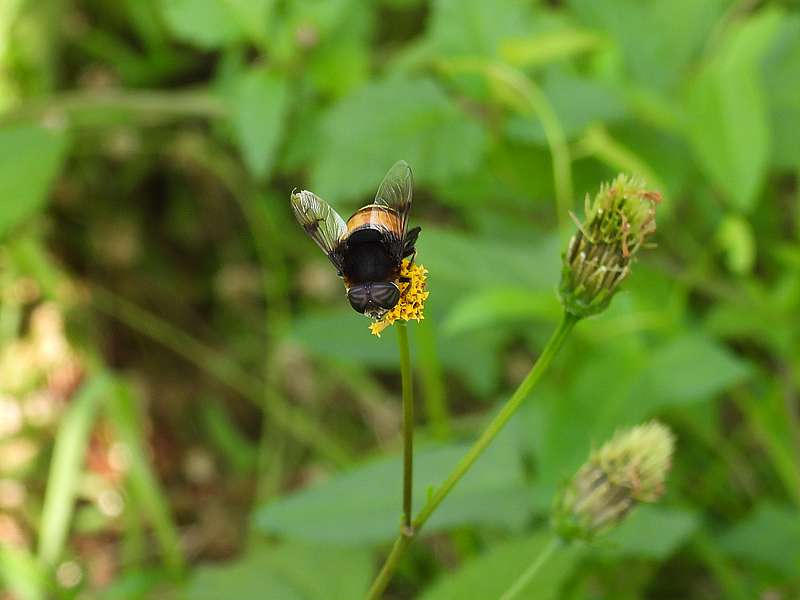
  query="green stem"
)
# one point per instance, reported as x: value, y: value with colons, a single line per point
x: 491, y: 431
x: 527, y: 97
x: 727, y: 577
x: 223, y: 369
x: 87, y: 107
x: 408, y: 426
x: 430, y: 368
x: 524, y: 580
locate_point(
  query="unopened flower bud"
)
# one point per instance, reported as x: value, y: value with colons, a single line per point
x: 629, y: 469
x: 598, y: 257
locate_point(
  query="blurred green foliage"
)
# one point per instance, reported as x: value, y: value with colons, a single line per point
x: 188, y: 408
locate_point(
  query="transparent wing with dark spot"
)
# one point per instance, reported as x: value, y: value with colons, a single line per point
x: 321, y: 223
x: 395, y: 193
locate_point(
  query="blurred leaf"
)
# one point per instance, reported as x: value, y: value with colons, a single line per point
x: 341, y: 67
x: 472, y: 356
x: 657, y: 39
x: 561, y: 435
x: 285, y: 572
x: 770, y: 536
x: 21, y: 575
x: 206, y: 23
x: 30, y: 158
x: 152, y: 504
x: 492, y: 573
x: 493, y: 263
x: 653, y: 532
x: 736, y: 239
x: 415, y: 122
x: 339, y: 573
x: 138, y: 584
x: 226, y: 437
x: 247, y: 578
x: 252, y: 16
x: 260, y: 104
x: 782, y: 79
x: 362, y: 506
x: 491, y: 308
x: 475, y: 27
x: 728, y: 123
x: 66, y: 468
x: 688, y: 369
x: 621, y: 384
x: 215, y: 23
x: 578, y: 102
x: 599, y: 142
x: 548, y: 47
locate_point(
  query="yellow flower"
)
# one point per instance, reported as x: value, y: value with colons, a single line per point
x: 412, y: 297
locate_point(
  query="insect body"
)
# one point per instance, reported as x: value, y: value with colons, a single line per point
x: 369, y: 248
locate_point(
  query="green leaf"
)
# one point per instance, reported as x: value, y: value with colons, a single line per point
x: 492, y: 573
x: 492, y: 263
x: 30, y: 158
x: 620, y: 384
x: 736, y: 239
x: 728, y: 123
x: 66, y: 468
x: 21, y: 575
x: 285, y: 572
x: 770, y: 536
x: 650, y: 532
x: 339, y: 573
x: 491, y: 308
x: 688, y: 369
x: 216, y: 23
x: 534, y: 51
x: 252, y: 17
x: 368, y: 131
x: 782, y: 79
x: 205, y: 23
x: 151, y: 502
x: 578, y: 102
x: 476, y: 27
x: 363, y: 505
x: 248, y: 578
x: 657, y: 39
x: 472, y: 355
x: 259, y: 107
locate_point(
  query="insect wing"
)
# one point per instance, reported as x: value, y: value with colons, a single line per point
x: 395, y: 193
x: 321, y: 223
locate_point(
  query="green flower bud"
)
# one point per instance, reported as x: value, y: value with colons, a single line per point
x: 629, y: 469
x: 617, y: 224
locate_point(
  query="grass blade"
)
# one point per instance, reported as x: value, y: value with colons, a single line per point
x: 65, y: 469
x: 141, y: 478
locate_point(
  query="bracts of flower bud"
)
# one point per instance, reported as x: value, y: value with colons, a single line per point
x: 629, y: 469
x: 599, y: 255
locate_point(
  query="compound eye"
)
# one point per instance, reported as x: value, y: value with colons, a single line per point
x: 385, y: 295
x: 359, y: 298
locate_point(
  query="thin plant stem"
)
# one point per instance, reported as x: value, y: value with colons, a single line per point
x: 728, y: 579
x: 526, y: 97
x: 430, y: 368
x: 143, y: 105
x: 495, y: 426
x: 408, y: 426
x: 223, y: 369
x: 524, y: 580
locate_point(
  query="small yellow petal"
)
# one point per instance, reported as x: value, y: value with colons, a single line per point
x: 413, y: 294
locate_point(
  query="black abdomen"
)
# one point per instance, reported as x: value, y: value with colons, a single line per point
x: 367, y: 262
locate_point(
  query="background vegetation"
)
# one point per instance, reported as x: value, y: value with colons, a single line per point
x: 189, y: 408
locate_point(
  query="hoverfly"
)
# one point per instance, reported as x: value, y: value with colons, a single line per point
x: 368, y: 249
